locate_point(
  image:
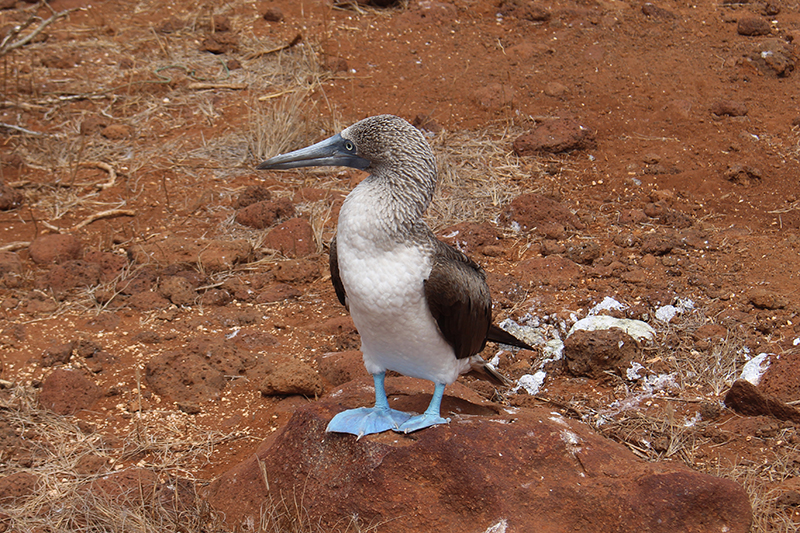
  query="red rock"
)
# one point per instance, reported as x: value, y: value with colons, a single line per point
x: 555, y: 136
x: 470, y: 237
x: 494, y: 96
x: 9, y: 198
x: 753, y: 26
x: 632, y: 216
x: 111, y: 265
x: 55, y: 248
x: 583, y: 252
x: 293, y: 238
x: 532, y: 211
x: 252, y: 195
x: 71, y: 275
x: 729, y: 108
x: 658, y: 243
x: 58, y: 354
x: 220, y: 23
x: 264, y: 214
x: 66, y: 392
x: 288, y: 375
x: 776, y: 57
x: 711, y: 332
x: 745, y: 175
x: 273, y: 14
x: 117, y: 132
x: 10, y: 264
x: 18, y: 485
x: 337, y: 368
x: 532, y: 470
x: 506, y: 289
x: 745, y: 398
x: 182, y: 377
x: 782, y: 380
x: 178, y: 290
x: 297, y: 271
x: 592, y: 353
x: 763, y: 298
x: 220, y: 43
x: 650, y: 10
x: 147, y: 300
x: 277, y: 292
x: 225, y: 356
x: 216, y: 297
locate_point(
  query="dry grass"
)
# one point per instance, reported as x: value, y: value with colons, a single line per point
x: 67, y: 498
x: 478, y: 174
x: 658, y: 434
x: 164, y: 500
x: 768, y: 515
x: 711, y: 372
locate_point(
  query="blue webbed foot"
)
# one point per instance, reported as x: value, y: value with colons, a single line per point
x: 431, y: 415
x: 367, y: 420
x: 424, y: 420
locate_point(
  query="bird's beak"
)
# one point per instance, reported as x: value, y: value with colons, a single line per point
x: 331, y: 152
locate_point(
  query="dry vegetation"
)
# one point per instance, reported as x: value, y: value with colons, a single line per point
x: 477, y: 176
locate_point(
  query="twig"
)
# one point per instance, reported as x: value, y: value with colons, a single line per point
x: 292, y: 43
x: 7, y: 45
x: 111, y: 213
x: 276, y: 95
x: 23, y: 105
x: 19, y: 129
x: 16, y: 245
x: 201, y: 86
x: 112, y: 175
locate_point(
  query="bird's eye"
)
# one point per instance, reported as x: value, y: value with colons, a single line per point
x: 349, y: 146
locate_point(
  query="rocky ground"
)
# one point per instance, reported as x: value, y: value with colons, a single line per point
x: 166, y: 309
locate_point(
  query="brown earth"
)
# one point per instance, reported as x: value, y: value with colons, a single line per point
x: 654, y: 151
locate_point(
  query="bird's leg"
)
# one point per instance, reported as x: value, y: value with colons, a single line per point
x: 430, y: 417
x: 368, y: 420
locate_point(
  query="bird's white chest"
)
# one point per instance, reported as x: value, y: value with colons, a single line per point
x: 384, y: 281
x: 381, y: 276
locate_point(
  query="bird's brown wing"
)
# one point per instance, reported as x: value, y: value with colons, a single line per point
x: 458, y: 298
x: 336, y: 278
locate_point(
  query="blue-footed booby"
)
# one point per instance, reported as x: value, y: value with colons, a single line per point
x: 422, y: 307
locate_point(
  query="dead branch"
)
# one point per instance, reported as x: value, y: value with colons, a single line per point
x: 292, y: 43
x: 9, y: 43
x: 13, y: 246
x: 276, y: 95
x: 24, y: 106
x: 19, y: 129
x: 112, y: 174
x: 111, y: 213
x: 201, y: 86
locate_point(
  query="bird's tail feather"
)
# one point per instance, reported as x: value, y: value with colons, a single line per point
x: 486, y: 371
x: 501, y: 336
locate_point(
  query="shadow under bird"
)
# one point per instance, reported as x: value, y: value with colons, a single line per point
x: 422, y: 307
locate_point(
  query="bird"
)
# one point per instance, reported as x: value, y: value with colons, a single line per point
x: 421, y: 307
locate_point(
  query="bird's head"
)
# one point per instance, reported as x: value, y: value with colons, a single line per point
x: 370, y: 144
